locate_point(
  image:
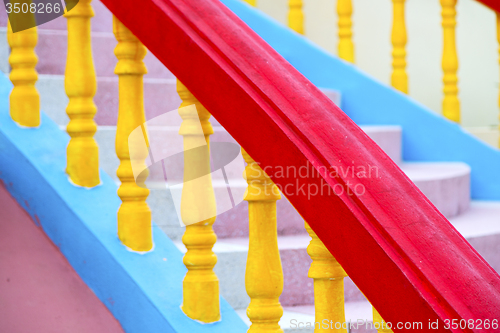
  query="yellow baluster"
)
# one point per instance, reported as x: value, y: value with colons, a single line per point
x: 24, y: 98
x: 296, y: 16
x: 380, y: 323
x: 328, y: 278
x: 451, y: 104
x: 264, y: 275
x: 399, y: 78
x: 80, y: 84
x: 201, y: 285
x: 498, y: 38
x: 252, y: 2
x: 346, y: 46
x: 134, y: 215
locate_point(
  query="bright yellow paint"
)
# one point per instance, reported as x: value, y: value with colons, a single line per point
x: 346, y: 46
x: 252, y: 2
x: 80, y: 84
x: 451, y: 103
x: 399, y: 78
x: 24, y: 98
x: 381, y: 323
x: 498, y: 38
x: 296, y: 16
x: 201, y: 285
x: 264, y: 274
x: 328, y: 278
x: 134, y: 215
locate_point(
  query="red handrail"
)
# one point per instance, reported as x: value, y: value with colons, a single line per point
x: 493, y: 4
x: 401, y: 252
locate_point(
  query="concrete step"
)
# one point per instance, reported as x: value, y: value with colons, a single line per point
x: 160, y: 97
x: 52, y: 52
x: 298, y: 288
x: 102, y: 20
x: 480, y: 225
x: 300, y: 319
x: 445, y: 184
x: 389, y: 138
x: 389, y: 141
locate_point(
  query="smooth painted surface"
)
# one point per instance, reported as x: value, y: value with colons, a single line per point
x: 40, y: 290
x: 264, y: 273
x: 144, y: 292
x: 24, y: 99
x: 134, y: 214
x: 80, y: 84
x: 198, y: 212
x: 427, y: 137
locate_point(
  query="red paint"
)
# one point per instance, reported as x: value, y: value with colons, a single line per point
x: 403, y: 254
x: 493, y: 4
x: 40, y: 291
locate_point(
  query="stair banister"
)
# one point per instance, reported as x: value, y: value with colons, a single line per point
x: 264, y: 274
x: 252, y: 2
x: 134, y: 214
x: 24, y: 98
x: 345, y: 45
x: 296, y: 16
x: 451, y: 103
x: 399, y: 77
x: 328, y: 277
x: 394, y: 232
x: 80, y: 84
x: 198, y: 213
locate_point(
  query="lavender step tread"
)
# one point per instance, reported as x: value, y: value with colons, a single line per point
x: 102, y: 20
x: 480, y: 225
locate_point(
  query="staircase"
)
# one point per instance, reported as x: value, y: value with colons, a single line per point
x: 446, y: 184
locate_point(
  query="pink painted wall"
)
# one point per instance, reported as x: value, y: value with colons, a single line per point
x: 39, y: 290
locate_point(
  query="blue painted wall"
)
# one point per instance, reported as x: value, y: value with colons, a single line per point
x: 143, y: 292
x: 426, y: 136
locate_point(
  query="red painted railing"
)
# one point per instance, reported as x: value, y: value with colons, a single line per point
x: 493, y: 4
x: 399, y: 250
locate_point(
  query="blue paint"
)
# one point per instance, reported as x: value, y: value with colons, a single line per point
x: 426, y: 135
x: 143, y: 292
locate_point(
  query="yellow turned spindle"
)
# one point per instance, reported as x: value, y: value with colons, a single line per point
x: 264, y: 275
x: 451, y: 104
x: 399, y: 78
x: 296, y: 16
x: 328, y: 278
x: 80, y: 83
x: 252, y: 2
x: 201, y: 285
x: 498, y: 38
x: 380, y: 323
x: 24, y: 98
x: 346, y: 46
x: 134, y: 215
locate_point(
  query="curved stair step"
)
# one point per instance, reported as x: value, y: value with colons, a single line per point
x: 445, y: 184
x: 389, y: 138
x: 480, y: 225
